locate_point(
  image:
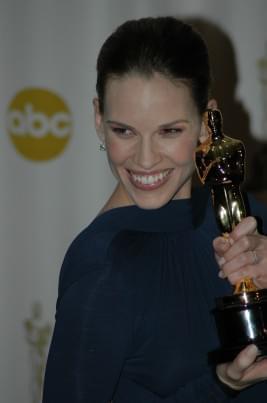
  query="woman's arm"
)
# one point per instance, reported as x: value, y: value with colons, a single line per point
x: 91, y: 339
x: 244, y: 254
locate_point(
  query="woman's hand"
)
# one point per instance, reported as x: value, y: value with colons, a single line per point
x: 243, y: 254
x: 244, y: 371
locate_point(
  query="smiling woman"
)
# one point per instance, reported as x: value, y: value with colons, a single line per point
x: 151, y: 127
x: 137, y: 286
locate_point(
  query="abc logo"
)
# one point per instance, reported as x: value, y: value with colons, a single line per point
x: 39, y: 124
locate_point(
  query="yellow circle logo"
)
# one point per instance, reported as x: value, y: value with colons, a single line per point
x: 39, y: 123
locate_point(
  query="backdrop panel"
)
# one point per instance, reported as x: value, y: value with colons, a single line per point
x: 53, y: 179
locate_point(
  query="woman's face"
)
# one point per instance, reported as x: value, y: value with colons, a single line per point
x: 150, y: 127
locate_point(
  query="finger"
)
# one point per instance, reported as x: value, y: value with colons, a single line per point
x: 237, y: 276
x: 221, y: 245
x: 234, y: 374
x: 247, y: 226
x: 220, y: 261
x: 235, y: 370
x: 243, y: 244
x: 244, y: 265
x: 257, y: 372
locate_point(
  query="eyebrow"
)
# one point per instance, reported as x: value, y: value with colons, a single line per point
x: 115, y: 122
x: 174, y: 122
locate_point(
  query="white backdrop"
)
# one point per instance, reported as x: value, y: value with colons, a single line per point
x: 51, y: 46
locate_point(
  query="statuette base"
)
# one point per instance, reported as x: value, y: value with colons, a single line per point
x: 241, y: 320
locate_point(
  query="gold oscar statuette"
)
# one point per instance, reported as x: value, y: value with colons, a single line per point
x: 241, y: 318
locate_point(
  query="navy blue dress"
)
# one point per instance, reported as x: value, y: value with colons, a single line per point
x: 133, y: 320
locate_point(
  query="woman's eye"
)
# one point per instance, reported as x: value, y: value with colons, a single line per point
x: 122, y: 132
x: 172, y: 131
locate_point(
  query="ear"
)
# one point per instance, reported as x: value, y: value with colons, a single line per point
x: 204, y: 134
x: 98, y: 120
x: 212, y: 104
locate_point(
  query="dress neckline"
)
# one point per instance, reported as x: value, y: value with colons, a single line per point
x: 176, y: 215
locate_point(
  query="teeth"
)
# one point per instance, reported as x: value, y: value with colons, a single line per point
x: 150, y: 179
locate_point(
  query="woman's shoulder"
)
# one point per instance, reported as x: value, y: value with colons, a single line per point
x: 88, y: 249
x: 95, y: 246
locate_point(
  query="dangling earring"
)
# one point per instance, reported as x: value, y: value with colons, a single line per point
x: 102, y: 147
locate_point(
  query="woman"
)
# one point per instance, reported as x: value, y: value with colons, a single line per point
x: 137, y: 286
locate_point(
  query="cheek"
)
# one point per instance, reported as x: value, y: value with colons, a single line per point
x: 184, y: 152
x: 117, y: 152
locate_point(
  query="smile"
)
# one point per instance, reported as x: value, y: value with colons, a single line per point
x: 149, y: 181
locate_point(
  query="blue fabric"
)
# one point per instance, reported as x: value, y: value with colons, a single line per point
x: 133, y: 320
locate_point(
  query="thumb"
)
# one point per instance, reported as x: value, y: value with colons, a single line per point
x: 232, y: 373
x: 242, y: 362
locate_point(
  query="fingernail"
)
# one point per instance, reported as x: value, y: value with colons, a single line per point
x: 221, y: 261
x: 252, y: 349
x: 221, y: 274
x: 224, y: 243
x: 231, y: 241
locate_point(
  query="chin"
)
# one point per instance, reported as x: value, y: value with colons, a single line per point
x: 151, y: 203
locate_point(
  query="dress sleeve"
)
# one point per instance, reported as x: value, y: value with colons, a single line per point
x: 206, y: 388
x: 203, y: 389
x: 91, y: 339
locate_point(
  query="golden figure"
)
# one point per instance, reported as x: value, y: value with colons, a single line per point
x: 220, y: 165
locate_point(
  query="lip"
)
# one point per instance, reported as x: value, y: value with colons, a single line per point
x: 149, y: 186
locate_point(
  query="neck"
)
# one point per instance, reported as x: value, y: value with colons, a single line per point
x: 118, y: 198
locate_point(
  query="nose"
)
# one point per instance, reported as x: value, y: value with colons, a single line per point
x: 147, y: 154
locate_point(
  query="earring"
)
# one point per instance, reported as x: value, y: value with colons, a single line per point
x: 102, y: 147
